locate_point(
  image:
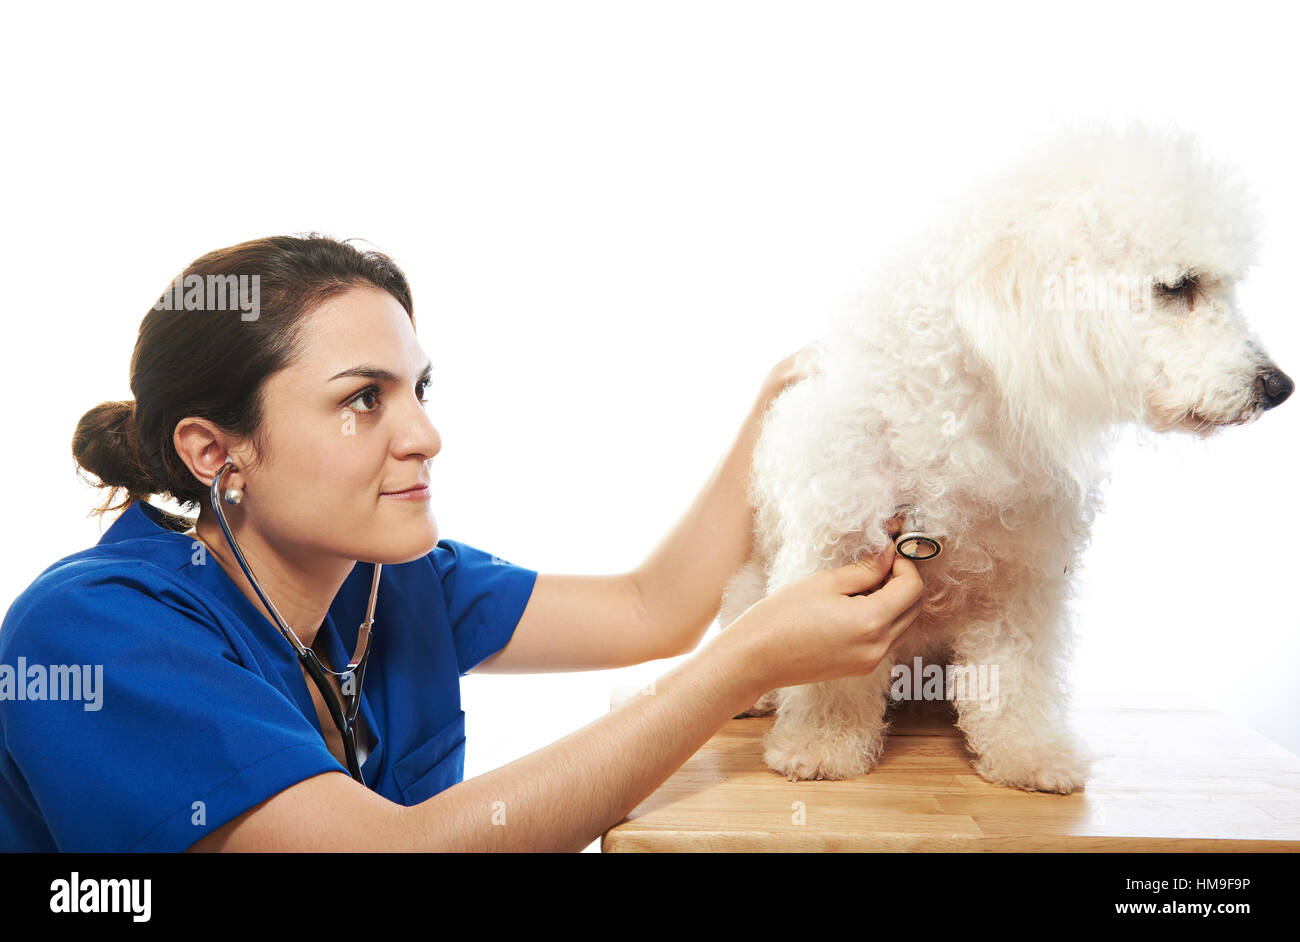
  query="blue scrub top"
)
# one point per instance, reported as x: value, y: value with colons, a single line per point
x: 201, y: 710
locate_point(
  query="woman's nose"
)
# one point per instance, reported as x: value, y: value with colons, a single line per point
x: 419, y: 435
x: 429, y: 441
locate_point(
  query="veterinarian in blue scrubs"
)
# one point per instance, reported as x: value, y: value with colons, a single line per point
x: 156, y: 693
x: 203, y: 710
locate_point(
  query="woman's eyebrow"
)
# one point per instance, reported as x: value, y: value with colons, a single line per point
x: 375, y: 372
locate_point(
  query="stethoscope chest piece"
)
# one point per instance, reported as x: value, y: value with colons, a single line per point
x: 918, y: 546
x: 914, y: 542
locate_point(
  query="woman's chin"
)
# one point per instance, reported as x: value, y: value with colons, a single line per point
x: 405, y: 543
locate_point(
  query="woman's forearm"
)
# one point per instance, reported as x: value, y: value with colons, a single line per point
x: 564, y: 796
x: 559, y: 798
x: 683, y: 578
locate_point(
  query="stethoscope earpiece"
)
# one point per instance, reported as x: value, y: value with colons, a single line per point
x: 913, y: 542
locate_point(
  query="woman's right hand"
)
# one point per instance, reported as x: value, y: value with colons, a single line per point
x: 835, y: 623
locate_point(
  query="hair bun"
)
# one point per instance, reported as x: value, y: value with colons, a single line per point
x: 105, y: 445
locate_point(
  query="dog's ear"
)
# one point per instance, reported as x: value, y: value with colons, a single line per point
x: 1057, y: 367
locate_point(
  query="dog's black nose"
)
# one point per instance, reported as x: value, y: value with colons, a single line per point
x: 1277, y: 386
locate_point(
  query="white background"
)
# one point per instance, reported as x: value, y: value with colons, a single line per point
x: 616, y: 218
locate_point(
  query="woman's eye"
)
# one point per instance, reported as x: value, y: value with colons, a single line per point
x: 372, y: 393
x: 368, y: 399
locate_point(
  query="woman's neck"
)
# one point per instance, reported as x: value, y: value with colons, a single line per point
x: 301, y: 594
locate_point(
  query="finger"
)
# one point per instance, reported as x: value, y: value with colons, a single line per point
x: 899, y: 593
x: 904, y: 621
x: 865, y: 573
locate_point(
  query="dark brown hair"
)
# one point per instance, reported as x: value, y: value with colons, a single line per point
x: 210, y: 360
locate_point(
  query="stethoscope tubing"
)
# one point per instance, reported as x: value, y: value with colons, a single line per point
x: 344, y: 719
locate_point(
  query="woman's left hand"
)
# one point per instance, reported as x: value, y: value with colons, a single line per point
x: 796, y: 367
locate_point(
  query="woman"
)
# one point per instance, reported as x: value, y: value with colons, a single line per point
x: 210, y: 731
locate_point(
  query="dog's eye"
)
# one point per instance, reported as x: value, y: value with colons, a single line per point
x: 1181, y: 293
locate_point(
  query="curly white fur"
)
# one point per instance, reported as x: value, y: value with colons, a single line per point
x: 966, y: 384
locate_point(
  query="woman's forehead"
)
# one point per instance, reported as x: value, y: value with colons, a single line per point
x: 359, y: 327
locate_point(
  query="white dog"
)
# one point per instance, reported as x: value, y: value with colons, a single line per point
x: 981, y: 381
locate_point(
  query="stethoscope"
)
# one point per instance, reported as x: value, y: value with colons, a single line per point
x: 913, y: 541
x: 349, y: 679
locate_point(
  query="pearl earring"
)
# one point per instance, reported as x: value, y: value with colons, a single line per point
x: 233, y: 495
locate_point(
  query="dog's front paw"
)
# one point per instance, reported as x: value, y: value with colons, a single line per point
x: 802, y: 755
x: 1061, y: 773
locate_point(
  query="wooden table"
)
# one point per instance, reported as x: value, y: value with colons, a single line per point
x: 1170, y: 780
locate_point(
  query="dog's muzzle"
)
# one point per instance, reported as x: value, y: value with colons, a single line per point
x: 1276, y: 385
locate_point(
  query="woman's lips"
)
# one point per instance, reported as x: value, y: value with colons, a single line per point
x: 415, y: 493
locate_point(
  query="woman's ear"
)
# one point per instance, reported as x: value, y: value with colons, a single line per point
x: 204, y: 448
